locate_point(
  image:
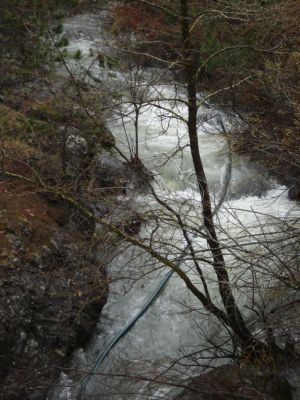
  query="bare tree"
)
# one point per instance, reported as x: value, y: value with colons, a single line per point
x: 187, y: 17
x: 218, y: 244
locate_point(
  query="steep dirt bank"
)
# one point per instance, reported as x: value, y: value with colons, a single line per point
x: 53, y: 282
x: 53, y: 287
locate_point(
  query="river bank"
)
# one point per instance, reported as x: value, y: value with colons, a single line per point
x: 67, y: 155
x: 53, y: 287
x: 53, y: 277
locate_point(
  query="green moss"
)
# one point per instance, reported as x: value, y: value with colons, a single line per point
x: 46, y: 112
x: 41, y: 127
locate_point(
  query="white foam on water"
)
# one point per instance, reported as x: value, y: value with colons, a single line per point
x: 175, y: 324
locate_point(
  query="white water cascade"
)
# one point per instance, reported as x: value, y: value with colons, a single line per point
x: 175, y: 325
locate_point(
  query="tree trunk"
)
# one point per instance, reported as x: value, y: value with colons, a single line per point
x: 234, y: 315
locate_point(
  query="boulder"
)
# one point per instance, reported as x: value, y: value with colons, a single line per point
x: 294, y: 193
x: 109, y: 170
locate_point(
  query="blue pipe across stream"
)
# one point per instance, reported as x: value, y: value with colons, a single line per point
x: 159, y: 287
x: 127, y: 328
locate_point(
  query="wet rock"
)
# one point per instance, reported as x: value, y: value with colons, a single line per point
x: 294, y: 193
x: 76, y: 145
x: 128, y: 177
x: 77, y: 153
x: 109, y: 170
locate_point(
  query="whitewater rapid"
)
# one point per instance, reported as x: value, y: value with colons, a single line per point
x: 175, y: 325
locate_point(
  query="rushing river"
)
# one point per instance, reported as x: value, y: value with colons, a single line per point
x: 175, y: 324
